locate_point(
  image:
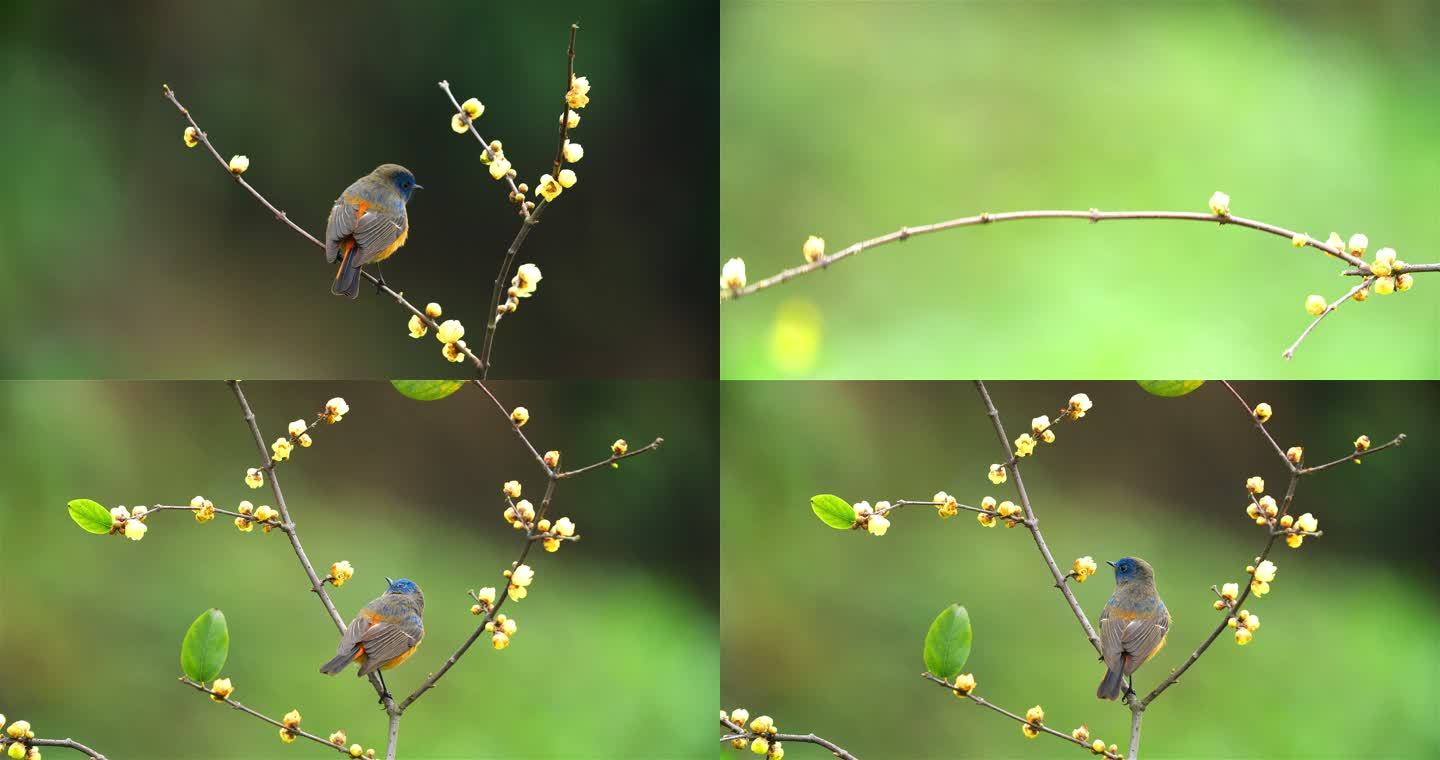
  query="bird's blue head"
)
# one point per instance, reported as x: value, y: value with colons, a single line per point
x: 1132, y: 569
x: 400, y: 177
x: 401, y: 586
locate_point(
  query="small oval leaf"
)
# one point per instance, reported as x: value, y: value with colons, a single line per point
x: 206, y: 645
x: 833, y: 511
x: 1170, y: 388
x: 89, y: 515
x: 947, y: 644
x: 427, y: 390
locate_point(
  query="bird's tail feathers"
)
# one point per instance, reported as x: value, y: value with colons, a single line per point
x: 347, y: 277
x: 1110, y: 685
x: 338, y: 664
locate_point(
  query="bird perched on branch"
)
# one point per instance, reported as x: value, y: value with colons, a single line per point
x: 367, y: 224
x: 384, y: 633
x: 1132, y: 626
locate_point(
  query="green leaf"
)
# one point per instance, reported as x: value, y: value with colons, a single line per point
x: 427, y: 390
x: 947, y: 645
x: 833, y: 511
x: 206, y: 645
x: 1170, y: 388
x: 91, y: 516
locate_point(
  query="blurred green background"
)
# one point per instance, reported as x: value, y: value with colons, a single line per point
x: 822, y: 629
x: 140, y: 259
x: 850, y: 120
x: 618, y: 638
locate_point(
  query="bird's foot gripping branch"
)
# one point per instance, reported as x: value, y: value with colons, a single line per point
x: 1384, y: 275
x: 1134, y: 623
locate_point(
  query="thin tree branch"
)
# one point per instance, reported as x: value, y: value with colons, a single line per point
x: 396, y: 295
x: 5, y: 742
x: 1250, y: 410
x: 1093, y: 215
x: 1364, y: 271
x: 1135, y: 717
x: 565, y: 112
x: 1041, y: 727
x: 316, y: 584
x: 740, y: 732
x: 254, y: 713
x: 516, y: 427
x: 492, y: 321
x: 1332, y: 306
x: 1396, y: 441
x: 484, y: 144
x: 655, y: 444
x: 1031, y: 521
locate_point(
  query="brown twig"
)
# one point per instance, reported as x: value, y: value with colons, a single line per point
x: 1093, y: 215
x: 257, y: 714
x: 5, y: 742
x: 740, y: 732
x: 316, y: 583
x: 1332, y: 306
x: 565, y: 112
x: 1031, y: 521
x: 484, y: 144
x: 655, y: 444
x: 1041, y: 727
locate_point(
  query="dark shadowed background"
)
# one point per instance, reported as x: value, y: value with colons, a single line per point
x: 128, y: 256
x: 618, y: 637
x: 822, y: 629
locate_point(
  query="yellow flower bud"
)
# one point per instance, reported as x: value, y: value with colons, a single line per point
x: 1220, y: 204
x: 1315, y: 304
x: 238, y: 165
x: 499, y: 168
x: 417, y: 327
x: 1405, y: 282
x: 281, y: 449
x: 1035, y: 715
x: 573, y: 151
x: 473, y: 108
x: 341, y: 571
x: 1362, y: 443
x: 1079, y: 405
x: 987, y: 521
x: 221, y: 689
x: 572, y: 119
x: 486, y: 596
x: 813, y: 249
x: 740, y: 716
x: 520, y: 415
x: 512, y: 489
x: 1358, y: 243
x: 732, y: 276
x: 552, y: 459
x: 191, y: 137
x: 548, y: 187
x: 1295, y: 454
x: 1294, y: 540
x: 450, y: 331
x: 760, y: 745
x: 1384, y: 285
x: 335, y: 410
x: 1029, y: 731
x: 499, y: 640
x: 1098, y: 747
x: 18, y: 730
x: 291, y: 719
x: 1308, y: 523
x: 1255, y: 484
x: 338, y: 738
x: 566, y: 178
x: 964, y: 683
x: 135, y: 530
x: 1299, y: 239
x: 17, y: 751
x: 997, y: 474
x: 458, y: 124
x: 356, y: 750
x: 1243, y: 636
x: 254, y: 478
x: 877, y: 525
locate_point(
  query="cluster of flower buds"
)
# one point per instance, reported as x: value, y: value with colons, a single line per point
x: 450, y: 333
x: 1041, y: 429
x: 520, y: 579
x: 501, y: 629
x: 1261, y: 576
x: 1244, y: 625
x: 577, y: 97
x: 872, y: 520
x: 522, y: 285
x: 1097, y: 746
x: 521, y: 516
x: 759, y: 735
x: 1034, y: 718
x: 250, y: 515
x: 129, y: 524
x: 18, y: 736
x: 291, y: 725
x: 298, y: 432
x: 1082, y: 568
x: 1013, y: 514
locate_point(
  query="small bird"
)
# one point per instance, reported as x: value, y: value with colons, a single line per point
x: 367, y: 224
x: 384, y: 633
x: 1132, y: 626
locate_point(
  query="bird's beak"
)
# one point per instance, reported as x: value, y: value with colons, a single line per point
x: 389, y: 581
x: 419, y: 186
x: 1108, y: 562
